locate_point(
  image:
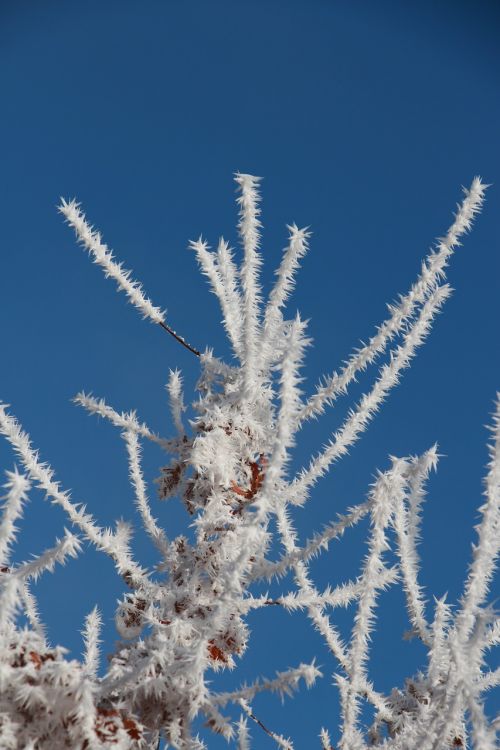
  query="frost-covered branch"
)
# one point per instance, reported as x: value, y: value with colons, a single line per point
x: 69, y: 546
x: 243, y: 734
x: 433, y: 268
x: 387, y: 492
x: 91, y: 633
x: 319, y: 541
x: 285, y: 282
x: 249, y: 228
x: 407, y: 525
x: 124, y: 421
x: 18, y: 487
x: 223, y: 286
x: 176, y: 400
x: 326, y: 743
x: 284, y: 684
x: 233, y: 305
x: 359, y: 418
x: 281, y: 741
x: 230, y: 470
x: 102, y: 255
x: 340, y: 596
x: 136, y: 477
x: 488, y: 547
x: 43, y: 475
x: 32, y: 613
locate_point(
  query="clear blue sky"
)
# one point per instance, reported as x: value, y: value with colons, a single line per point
x: 364, y: 118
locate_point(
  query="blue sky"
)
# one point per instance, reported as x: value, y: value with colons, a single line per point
x: 364, y: 118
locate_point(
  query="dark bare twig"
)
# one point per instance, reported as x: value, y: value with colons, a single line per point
x: 179, y: 339
x: 251, y: 715
x: 261, y: 725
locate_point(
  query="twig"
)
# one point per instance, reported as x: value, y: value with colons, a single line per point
x: 179, y: 338
x: 276, y: 737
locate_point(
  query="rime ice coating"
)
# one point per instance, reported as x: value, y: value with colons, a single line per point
x: 229, y: 467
